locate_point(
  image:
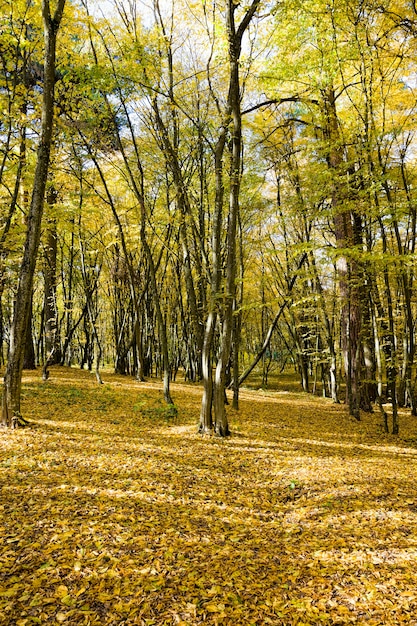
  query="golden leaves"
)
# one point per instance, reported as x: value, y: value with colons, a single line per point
x: 111, y: 517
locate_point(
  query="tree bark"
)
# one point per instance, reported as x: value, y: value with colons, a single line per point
x: 206, y: 415
x: 11, y: 415
x: 52, y: 344
x: 232, y: 119
x: 29, y: 358
x: 346, y: 232
x: 170, y: 152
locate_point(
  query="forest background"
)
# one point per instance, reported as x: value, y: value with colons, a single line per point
x: 197, y: 197
x: 228, y: 184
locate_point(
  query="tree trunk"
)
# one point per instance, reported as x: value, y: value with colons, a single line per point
x: 52, y: 344
x: 390, y: 351
x: 69, y: 328
x: 163, y: 339
x: 206, y: 415
x: 346, y: 232
x: 171, y: 157
x: 11, y: 415
x: 29, y: 359
x: 233, y: 118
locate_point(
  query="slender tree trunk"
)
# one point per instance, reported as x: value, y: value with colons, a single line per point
x: 11, y: 415
x: 328, y: 331
x: 206, y: 415
x: 405, y: 394
x: 52, y: 345
x: 183, y: 203
x: 91, y: 277
x: 237, y: 328
x: 29, y: 358
x: 234, y: 114
x: 68, y: 302
x: 160, y: 319
x: 390, y: 351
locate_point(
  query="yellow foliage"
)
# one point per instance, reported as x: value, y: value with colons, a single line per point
x: 111, y: 514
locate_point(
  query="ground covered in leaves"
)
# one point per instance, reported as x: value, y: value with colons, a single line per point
x: 114, y: 511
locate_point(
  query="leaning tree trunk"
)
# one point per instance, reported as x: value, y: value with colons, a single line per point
x: 171, y: 156
x: 11, y: 416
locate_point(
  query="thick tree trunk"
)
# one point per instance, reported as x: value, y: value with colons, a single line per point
x: 11, y: 415
x: 221, y: 426
x: 345, y: 226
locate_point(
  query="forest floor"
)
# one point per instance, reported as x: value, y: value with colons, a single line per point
x: 114, y: 512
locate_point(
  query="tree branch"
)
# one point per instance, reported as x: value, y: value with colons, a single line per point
x: 247, y: 18
x: 266, y: 103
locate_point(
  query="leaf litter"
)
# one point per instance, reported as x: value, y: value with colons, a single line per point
x: 115, y: 512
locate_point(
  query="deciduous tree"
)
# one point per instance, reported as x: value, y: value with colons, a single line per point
x: 11, y: 415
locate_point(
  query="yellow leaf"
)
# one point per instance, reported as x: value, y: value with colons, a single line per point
x: 61, y: 591
x: 104, y: 597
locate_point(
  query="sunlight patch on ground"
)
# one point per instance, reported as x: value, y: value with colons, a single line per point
x: 394, y: 556
x: 113, y: 514
x: 391, y: 450
x: 180, y: 430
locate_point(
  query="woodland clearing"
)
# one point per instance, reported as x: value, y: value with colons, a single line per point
x: 115, y: 511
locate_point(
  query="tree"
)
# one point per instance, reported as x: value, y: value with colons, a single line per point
x: 50, y: 316
x: 11, y: 416
x: 232, y: 122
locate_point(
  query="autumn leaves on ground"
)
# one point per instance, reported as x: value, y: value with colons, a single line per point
x: 113, y: 511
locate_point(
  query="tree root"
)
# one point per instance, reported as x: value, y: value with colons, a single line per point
x: 18, y: 421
